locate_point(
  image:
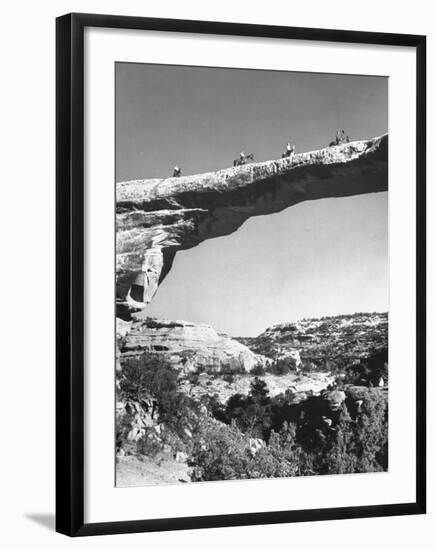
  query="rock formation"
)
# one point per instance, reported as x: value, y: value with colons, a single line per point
x: 157, y: 217
x: 351, y: 337
x: 297, y: 386
x: 189, y: 346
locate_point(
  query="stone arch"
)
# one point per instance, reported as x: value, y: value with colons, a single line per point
x: 156, y: 218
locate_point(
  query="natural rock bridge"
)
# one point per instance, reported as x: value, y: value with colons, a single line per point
x: 157, y: 217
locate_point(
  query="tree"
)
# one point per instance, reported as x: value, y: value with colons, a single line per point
x: 151, y: 377
x: 259, y: 391
x: 252, y: 412
x: 370, y: 370
x: 358, y: 445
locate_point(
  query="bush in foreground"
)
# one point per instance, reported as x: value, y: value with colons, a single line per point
x: 222, y: 452
x: 151, y: 377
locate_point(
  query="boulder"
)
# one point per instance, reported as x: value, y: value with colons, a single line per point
x: 181, y: 457
x: 335, y: 399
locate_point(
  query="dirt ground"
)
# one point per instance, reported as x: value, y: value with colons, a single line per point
x: 132, y: 471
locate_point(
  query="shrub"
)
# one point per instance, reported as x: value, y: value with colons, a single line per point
x: 369, y: 371
x: 282, y: 366
x: 251, y: 413
x: 149, y: 444
x: 222, y: 452
x: 259, y: 370
x: 151, y: 377
x: 316, y: 439
x: 259, y: 391
x: 354, y: 445
x: 371, y: 433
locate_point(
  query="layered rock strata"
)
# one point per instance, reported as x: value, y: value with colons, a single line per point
x: 190, y: 347
x: 157, y: 217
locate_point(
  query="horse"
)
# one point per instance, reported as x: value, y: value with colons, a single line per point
x: 340, y: 139
x: 240, y: 161
x: 289, y: 152
x: 339, y: 142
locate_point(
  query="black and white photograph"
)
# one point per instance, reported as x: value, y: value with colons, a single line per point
x: 252, y: 274
x: 217, y: 288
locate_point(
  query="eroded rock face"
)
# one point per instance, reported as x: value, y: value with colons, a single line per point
x: 137, y: 418
x: 353, y: 337
x: 158, y: 217
x: 190, y: 347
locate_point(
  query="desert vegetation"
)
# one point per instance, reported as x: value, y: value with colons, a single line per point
x: 342, y: 429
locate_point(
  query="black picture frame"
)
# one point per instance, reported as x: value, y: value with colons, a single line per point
x: 70, y: 274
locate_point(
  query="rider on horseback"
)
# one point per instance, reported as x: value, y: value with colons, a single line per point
x: 243, y: 158
x: 340, y: 138
x: 289, y: 150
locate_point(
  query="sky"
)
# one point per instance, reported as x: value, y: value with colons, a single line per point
x: 316, y: 258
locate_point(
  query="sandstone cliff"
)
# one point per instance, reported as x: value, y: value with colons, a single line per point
x: 189, y: 347
x: 158, y: 217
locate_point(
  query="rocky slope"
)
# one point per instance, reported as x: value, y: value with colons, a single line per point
x: 156, y: 218
x: 301, y: 385
x: 189, y: 347
x: 325, y: 344
x: 329, y: 343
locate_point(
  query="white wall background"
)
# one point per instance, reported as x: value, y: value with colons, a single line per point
x: 27, y: 125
